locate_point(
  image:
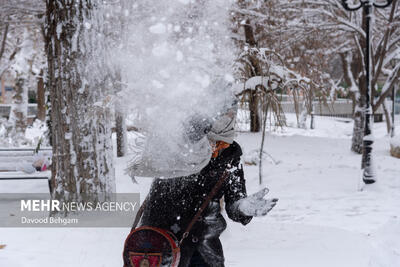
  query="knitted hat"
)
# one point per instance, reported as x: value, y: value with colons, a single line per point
x: 223, y: 128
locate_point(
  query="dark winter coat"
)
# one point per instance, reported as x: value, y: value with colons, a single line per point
x: 172, y: 203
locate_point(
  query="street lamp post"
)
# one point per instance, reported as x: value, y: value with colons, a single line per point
x: 366, y: 165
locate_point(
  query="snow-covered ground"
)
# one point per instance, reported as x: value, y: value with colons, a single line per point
x: 323, y: 218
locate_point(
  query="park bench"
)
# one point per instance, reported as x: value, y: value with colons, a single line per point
x: 13, y: 155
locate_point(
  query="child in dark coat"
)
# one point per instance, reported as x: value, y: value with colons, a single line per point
x: 172, y: 203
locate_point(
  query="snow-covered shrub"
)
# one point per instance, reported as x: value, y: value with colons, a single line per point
x: 30, y: 138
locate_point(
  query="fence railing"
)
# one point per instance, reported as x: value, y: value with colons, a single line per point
x: 338, y: 108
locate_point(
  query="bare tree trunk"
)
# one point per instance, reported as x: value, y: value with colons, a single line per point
x: 387, y: 117
x: 264, y: 126
x: 120, y: 127
x: 3, y: 42
x: 360, y: 104
x: 19, y: 109
x: 356, y: 70
x: 253, y: 95
x: 311, y: 107
x: 254, y: 111
x: 82, y: 168
x: 41, y: 98
x: 358, y: 127
x: 302, y: 123
x: 394, y: 92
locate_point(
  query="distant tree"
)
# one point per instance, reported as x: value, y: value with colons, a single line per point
x: 346, y: 34
x: 21, y: 55
x: 17, y: 16
x: 19, y: 110
x: 270, y: 29
x: 115, y: 29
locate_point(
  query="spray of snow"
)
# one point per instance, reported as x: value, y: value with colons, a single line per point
x: 177, y: 65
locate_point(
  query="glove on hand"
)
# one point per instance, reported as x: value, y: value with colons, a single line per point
x: 255, y: 205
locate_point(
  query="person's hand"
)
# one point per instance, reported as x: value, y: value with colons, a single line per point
x: 255, y: 205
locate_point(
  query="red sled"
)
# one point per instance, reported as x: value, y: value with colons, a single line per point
x: 151, y: 247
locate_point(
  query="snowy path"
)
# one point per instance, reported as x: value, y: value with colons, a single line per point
x: 317, y: 182
x: 321, y: 218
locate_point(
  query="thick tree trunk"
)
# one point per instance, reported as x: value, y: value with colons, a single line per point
x: 82, y: 168
x: 360, y: 105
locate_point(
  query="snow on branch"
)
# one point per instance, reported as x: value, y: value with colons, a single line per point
x: 275, y: 77
x: 353, y: 85
x: 391, y: 79
x: 342, y: 23
x: 391, y: 56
